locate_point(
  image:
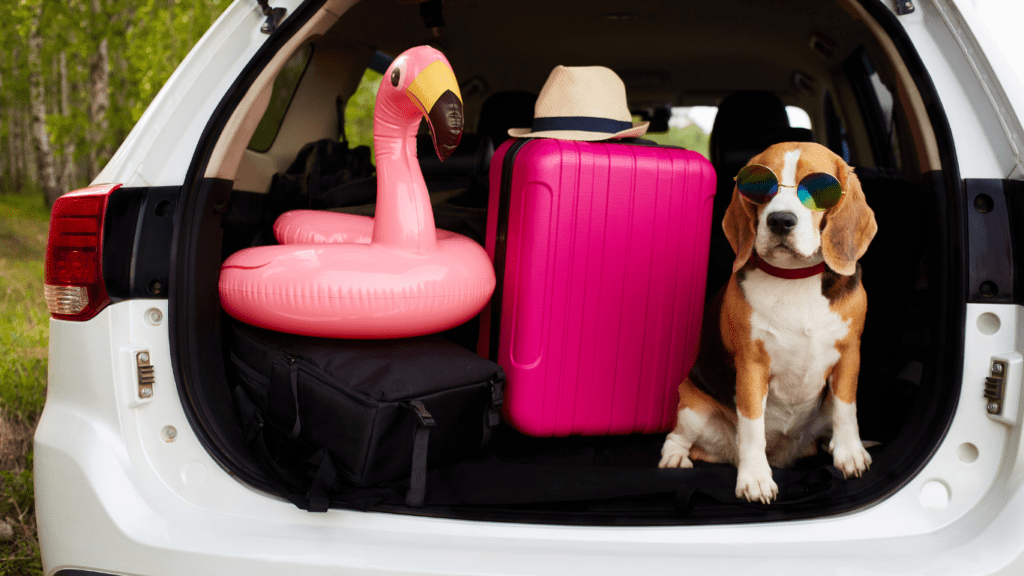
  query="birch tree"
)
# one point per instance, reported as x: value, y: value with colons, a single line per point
x: 99, y: 85
x: 77, y: 75
x: 37, y: 102
x: 67, y: 170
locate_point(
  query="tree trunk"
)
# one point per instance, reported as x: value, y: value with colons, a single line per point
x: 13, y: 139
x: 37, y: 102
x: 6, y: 157
x: 99, y: 83
x: 14, y: 134
x: 25, y: 152
x: 68, y: 178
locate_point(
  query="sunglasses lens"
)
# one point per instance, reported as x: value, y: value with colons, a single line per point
x: 757, y: 183
x: 819, y: 191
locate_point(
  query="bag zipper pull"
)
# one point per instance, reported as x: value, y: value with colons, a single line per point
x: 293, y: 369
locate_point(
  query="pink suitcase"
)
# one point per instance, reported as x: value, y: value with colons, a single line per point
x: 601, y: 256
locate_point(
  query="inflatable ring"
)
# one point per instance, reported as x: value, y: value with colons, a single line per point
x: 391, y: 276
x: 355, y: 289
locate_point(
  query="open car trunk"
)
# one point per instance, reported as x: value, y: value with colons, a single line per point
x: 819, y: 55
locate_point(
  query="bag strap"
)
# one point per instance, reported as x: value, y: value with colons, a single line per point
x: 492, y: 416
x: 313, y: 496
x: 418, y: 476
x: 319, y: 492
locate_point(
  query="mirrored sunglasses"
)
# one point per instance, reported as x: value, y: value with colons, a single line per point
x: 818, y: 191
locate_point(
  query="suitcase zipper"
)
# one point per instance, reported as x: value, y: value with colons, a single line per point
x: 501, y: 242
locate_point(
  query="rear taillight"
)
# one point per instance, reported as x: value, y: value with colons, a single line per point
x: 74, y: 286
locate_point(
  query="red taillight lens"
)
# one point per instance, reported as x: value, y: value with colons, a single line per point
x: 74, y: 286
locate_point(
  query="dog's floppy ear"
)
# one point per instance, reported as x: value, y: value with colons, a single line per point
x: 849, y: 226
x: 740, y: 228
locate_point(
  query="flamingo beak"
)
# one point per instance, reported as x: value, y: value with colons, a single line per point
x: 435, y: 91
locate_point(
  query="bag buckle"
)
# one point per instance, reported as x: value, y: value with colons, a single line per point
x: 497, y: 392
x: 422, y: 413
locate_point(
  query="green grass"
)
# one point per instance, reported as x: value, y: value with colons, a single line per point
x: 24, y: 333
x: 24, y: 324
x: 19, y: 556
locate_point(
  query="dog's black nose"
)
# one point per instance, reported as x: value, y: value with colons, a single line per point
x: 781, y: 223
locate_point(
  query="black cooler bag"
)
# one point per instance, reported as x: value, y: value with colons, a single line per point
x: 380, y: 410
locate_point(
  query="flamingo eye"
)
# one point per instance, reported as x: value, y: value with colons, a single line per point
x: 396, y: 76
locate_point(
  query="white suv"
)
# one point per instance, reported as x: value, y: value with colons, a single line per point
x: 141, y: 465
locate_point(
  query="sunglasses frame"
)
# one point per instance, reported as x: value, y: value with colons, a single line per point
x: 800, y: 187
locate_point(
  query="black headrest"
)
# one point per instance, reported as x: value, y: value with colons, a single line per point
x: 746, y: 124
x: 504, y: 110
x: 731, y: 158
x: 743, y: 119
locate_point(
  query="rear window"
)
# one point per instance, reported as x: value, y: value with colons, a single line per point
x: 283, y: 92
x: 690, y: 127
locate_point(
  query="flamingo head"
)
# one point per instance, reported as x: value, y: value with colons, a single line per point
x: 421, y: 82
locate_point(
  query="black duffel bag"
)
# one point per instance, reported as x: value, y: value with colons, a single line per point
x: 370, y: 411
x: 325, y: 174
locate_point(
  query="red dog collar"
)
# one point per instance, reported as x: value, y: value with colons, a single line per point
x: 787, y: 273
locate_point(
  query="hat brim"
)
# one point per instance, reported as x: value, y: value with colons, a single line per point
x: 638, y: 130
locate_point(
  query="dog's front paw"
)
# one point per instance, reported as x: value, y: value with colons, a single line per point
x: 850, y: 457
x: 755, y: 484
x: 674, y: 455
x: 675, y: 460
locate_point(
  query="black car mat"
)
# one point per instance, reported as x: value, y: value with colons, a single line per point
x: 581, y: 479
x: 595, y: 475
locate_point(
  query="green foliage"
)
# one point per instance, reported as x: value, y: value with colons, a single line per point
x: 163, y: 33
x: 146, y: 40
x: 359, y: 111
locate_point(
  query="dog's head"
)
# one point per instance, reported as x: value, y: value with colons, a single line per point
x: 786, y: 233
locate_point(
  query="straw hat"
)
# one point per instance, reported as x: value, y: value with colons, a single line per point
x: 582, y: 103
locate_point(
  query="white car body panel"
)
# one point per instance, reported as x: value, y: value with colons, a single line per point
x: 991, y: 61
x: 179, y: 512
x: 984, y: 125
x: 147, y: 505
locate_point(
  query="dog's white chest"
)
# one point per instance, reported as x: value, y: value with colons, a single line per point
x: 799, y: 331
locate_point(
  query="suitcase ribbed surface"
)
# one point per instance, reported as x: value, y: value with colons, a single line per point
x: 605, y: 261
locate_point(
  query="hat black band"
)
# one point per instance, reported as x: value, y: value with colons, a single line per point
x: 580, y: 123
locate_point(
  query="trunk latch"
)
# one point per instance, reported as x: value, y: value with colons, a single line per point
x: 145, y: 374
x: 1002, y: 387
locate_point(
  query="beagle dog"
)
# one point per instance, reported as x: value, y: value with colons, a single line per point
x: 780, y: 347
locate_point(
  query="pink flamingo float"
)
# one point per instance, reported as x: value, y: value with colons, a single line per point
x: 391, y: 276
